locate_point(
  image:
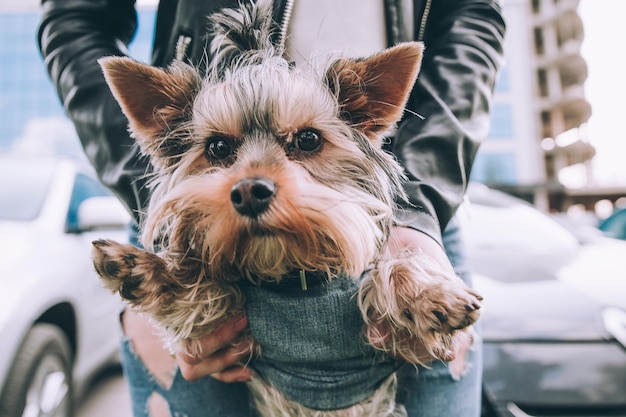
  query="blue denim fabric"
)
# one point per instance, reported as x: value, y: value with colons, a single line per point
x: 206, y: 397
x: 312, y: 344
x: 336, y: 356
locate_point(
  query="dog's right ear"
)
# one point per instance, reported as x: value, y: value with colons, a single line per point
x: 154, y: 100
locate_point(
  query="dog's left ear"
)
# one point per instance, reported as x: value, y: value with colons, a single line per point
x: 372, y: 92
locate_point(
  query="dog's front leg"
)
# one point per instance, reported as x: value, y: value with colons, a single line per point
x: 184, y: 302
x: 409, y: 301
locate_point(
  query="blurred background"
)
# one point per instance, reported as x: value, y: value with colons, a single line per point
x: 556, y: 136
x: 546, y: 230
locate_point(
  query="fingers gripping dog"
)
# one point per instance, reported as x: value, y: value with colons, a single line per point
x: 262, y: 169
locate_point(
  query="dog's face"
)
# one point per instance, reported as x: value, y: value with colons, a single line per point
x: 264, y: 168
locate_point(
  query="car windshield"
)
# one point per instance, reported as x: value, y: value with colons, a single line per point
x: 24, y: 185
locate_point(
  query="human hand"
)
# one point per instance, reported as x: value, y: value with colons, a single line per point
x: 221, y: 354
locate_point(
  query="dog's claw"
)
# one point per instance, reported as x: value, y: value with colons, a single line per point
x: 100, y: 243
x: 442, y: 317
x: 472, y: 307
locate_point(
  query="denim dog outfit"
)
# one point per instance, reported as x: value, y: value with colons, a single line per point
x: 312, y: 345
x: 314, y: 351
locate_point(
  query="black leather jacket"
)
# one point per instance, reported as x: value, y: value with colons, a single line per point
x: 464, y: 42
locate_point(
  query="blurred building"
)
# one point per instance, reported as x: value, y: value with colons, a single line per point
x: 32, y: 118
x: 539, y: 103
x: 560, y: 70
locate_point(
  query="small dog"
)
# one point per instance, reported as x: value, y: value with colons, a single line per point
x: 262, y: 169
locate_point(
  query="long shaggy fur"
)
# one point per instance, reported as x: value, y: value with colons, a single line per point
x: 270, y: 402
x: 260, y: 170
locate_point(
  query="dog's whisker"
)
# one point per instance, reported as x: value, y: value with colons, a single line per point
x: 405, y: 109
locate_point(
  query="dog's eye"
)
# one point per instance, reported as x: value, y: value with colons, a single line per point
x: 218, y: 148
x: 308, y: 140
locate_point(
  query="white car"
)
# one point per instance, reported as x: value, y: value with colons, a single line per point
x: 58, y: 325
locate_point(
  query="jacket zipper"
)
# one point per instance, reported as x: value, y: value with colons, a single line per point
x: 182, y: 47
x: 420, y: 34
x: 284, y: 26
x: 183, y: 42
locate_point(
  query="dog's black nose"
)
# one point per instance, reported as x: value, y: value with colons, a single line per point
x: 252, y: 196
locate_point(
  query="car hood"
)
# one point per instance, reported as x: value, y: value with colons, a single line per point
x: 560, y: 299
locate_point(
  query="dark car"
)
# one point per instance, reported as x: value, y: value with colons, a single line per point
x: 554, y: 320
x: 615, y: 225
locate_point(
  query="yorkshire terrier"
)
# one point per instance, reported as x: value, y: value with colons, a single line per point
x: 263, y: 171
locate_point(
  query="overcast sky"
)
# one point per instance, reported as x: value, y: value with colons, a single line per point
x: 603, y: 48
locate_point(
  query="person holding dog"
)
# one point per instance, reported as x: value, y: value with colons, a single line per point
x: 463, y: 53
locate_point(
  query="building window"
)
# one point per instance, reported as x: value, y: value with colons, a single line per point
x: 536, y: 5
x: 501, y: 121
x: 546, y: 124
x: 494, y: 168
x: 542, y: 83
x: 539, y: 42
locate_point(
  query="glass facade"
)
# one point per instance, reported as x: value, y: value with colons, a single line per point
x: 29, y: 106
x: 495, y: 168
x: 26, y: 93
x: 502, y: 112
x: 503, y: 85
x: 498, y: 167
x: 501, y: 121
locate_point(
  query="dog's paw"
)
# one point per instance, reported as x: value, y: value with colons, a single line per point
x: 411, y: 305
x: 448, y: 306
x: 440, y: 311
x: 113, y: 261
x: 125, y: 268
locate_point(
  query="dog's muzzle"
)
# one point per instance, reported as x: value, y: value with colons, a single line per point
x: 252, y: 196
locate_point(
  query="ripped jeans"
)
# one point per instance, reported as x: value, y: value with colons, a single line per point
x: 425, y: 392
